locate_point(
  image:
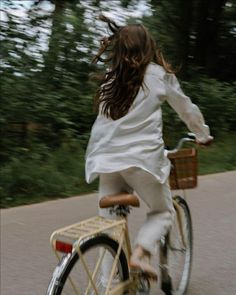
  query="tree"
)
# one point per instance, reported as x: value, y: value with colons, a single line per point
x: 197, y: 34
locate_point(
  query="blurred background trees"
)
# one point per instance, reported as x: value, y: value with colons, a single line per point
x: 47, y: 90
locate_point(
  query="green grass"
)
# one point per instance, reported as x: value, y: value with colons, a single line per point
x: 34, y: 178
x: 218, y: 157
x: 60, y: 174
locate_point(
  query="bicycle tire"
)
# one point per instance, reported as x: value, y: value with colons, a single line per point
x: 69, y: 262
x: 170, y: 284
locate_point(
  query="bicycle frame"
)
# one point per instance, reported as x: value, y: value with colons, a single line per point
x: 75, y: 235
x: 78, y: 233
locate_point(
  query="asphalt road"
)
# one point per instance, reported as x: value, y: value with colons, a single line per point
x: 27, y: 260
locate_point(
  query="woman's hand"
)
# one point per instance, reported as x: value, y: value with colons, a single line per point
x: 206, y: 143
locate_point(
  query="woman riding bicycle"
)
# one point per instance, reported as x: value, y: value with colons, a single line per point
x: 126, y: 148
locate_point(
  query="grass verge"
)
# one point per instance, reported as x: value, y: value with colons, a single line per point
x: 61, y: 174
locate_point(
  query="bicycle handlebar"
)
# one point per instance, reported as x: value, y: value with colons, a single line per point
x: 191, y: 138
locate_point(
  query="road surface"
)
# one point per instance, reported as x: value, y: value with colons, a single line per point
x: 27, y: 260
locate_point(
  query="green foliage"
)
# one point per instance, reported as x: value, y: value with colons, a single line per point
x: 40, y: 174
x: 50, y: 88
x: 217, y: 101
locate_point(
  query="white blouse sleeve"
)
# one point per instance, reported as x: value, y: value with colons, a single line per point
x: 188, y: 112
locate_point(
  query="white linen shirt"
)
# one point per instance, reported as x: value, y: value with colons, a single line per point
x: 135, y: 140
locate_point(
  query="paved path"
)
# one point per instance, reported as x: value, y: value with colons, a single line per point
x: 27, y: 260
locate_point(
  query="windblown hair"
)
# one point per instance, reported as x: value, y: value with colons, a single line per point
x: 129, y: 50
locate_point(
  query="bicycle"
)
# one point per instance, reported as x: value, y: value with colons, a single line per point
x: 85, y: 245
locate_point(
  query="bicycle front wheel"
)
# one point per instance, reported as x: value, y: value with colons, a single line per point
x: 177, y: 252
x: 99, y: 252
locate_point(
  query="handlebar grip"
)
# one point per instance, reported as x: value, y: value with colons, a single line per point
x: 191, y: 136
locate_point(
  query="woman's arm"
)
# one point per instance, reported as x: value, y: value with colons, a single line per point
x: 188, y: 112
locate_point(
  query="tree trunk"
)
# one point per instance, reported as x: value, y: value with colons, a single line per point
x: 208, y: 24
x: 51, y: 56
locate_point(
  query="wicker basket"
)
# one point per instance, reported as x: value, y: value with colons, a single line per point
x: 183, y: 173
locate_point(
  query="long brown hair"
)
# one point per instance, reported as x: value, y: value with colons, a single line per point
x: 129, y: 50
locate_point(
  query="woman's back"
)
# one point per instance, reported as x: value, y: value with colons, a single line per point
x: 136, y: 138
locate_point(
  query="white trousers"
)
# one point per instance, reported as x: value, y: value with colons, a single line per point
x: 157, y: 196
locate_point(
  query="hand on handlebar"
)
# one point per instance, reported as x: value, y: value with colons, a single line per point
x: 207, y: 143
x: 191, y: 137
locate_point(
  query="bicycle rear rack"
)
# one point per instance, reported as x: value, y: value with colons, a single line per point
x: 74, y: 234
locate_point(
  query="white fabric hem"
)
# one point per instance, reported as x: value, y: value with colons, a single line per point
x: 95, y: 174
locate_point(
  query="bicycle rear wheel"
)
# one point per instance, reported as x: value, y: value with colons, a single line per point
x: 177, y: 252
x: 70, y: 276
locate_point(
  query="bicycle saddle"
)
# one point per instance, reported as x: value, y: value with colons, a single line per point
x: 123, y: 199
